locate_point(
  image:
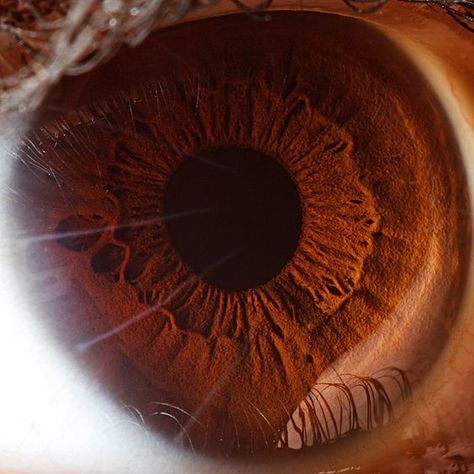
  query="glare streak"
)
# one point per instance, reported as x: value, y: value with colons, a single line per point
x: 100, y: 230
x: 85, y: 346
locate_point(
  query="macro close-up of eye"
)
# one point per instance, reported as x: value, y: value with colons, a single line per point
x: 237, y: 237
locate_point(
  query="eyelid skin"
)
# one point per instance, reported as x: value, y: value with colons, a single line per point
x: 451, y: 71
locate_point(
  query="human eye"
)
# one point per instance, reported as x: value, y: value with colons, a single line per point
x: 241, y: 245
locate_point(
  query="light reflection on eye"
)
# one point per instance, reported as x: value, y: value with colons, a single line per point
x: 106, y: 259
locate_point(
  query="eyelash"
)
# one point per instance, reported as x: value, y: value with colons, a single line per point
x: 320, y: 423
x: 462, y: 11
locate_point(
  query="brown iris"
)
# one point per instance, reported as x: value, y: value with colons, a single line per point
x: 265, y: 196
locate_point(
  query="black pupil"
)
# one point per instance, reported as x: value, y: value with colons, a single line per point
x: 233, y: 215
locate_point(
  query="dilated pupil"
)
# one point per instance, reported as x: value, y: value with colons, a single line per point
x: 233, y: 214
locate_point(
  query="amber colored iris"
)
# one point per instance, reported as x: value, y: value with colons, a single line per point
x: 267, y: 194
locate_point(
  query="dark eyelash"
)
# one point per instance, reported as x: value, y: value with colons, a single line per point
x: 322, y: 424
x: 462, y: 11
x: 11, y: 14
x: 321, y: 419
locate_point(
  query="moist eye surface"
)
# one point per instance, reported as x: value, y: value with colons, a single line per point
x: 240, y: 203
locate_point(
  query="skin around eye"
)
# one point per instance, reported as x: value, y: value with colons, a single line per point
x: 377, y: 199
